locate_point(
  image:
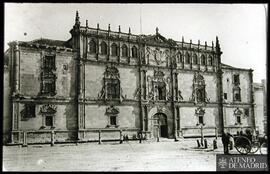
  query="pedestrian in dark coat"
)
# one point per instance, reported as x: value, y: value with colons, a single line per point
x: 225, y: 141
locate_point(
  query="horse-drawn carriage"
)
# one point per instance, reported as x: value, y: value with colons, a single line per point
x: 246, y: 143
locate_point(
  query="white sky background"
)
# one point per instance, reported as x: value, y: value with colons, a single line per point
x: 241, y: 28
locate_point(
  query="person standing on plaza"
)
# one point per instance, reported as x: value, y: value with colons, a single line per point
x: 225, y: 142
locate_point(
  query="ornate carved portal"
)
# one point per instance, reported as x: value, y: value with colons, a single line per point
x: 158, y: 86
x: 199, y: 94
x: 159, y: 125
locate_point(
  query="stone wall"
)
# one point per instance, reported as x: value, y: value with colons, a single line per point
x: 129, y: 82
x: 65, y: 118
x: 30, y: 70
x: 244, y: 84
x: 259, y: 114
x: 93, y: 80
x: 96, y: 117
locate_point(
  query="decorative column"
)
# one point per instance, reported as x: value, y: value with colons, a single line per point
x: 172, y: 88
x: 176, y: 86
x: 97, y: 48
x: 144, y: 84
x: 15, y: 116
x: 146, y: 120
x: 16, y: 68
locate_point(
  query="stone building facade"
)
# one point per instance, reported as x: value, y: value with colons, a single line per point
x: 260, y: 106
x: 102, y: 83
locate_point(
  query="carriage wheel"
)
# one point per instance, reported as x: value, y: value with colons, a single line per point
x: 255, y: 147
x: 263, y: 149
x: 242, y: 145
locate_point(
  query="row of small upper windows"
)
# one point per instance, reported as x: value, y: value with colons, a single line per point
x: 194, y: 59
x: 114, y: 49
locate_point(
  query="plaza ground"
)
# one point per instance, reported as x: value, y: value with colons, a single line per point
x: 165, y: 155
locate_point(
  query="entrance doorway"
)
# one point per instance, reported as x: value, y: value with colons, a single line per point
x: 160, y: 126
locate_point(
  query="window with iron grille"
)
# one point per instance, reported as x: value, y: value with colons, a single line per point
x: 200, y: 95
x: 49, y: 63
x: 48, y: 77
x: 113, y: 89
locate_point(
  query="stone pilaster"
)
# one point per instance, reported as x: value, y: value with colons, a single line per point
x: 252, y: 99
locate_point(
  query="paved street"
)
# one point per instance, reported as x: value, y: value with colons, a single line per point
x: 165, y: 155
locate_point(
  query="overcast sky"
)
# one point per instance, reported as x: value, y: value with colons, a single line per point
x: 241, y: 28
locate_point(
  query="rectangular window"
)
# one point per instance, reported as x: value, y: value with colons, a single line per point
x: 113, y: 120
x: 49, y: 62
x: 49, y: 87
x: 246, y: 112
x: 113, y: 89
x: 49, y: 121
x: 200, y: 119
x: 236, y: 79
x: 238, y: 119
x: 237, y: 97
x: 48, y: 76
x: 225, y: 96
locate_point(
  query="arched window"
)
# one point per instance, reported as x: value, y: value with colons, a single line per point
x: 210, y: 60
x: 114, y: 49
x: 92, y: 47
x: 187, y: 58
x: 179, y: 58
x: 200, y: 94
x: 113, y: 88
x: 103, y: 48
x: 112, y: 83
x: 195, y: 59
x: 124, y: 51
x: 134, y: 52
x: 203, y: 61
